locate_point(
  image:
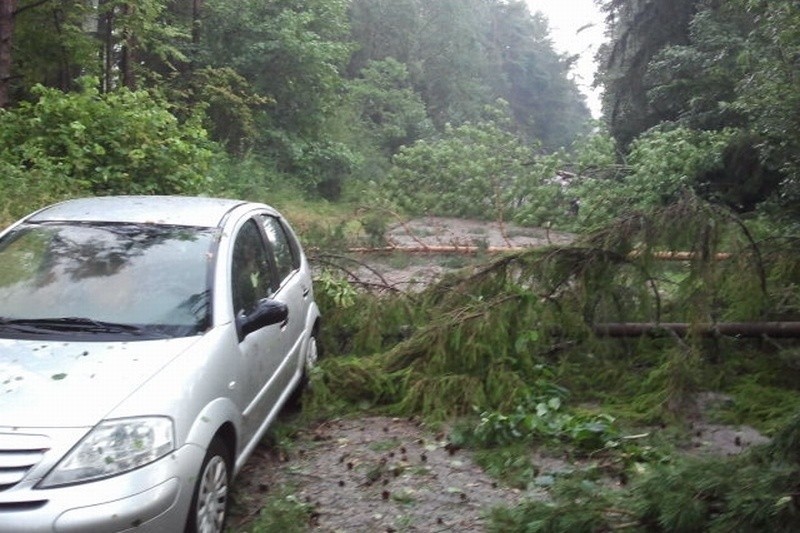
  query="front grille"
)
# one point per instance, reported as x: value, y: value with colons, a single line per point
x: 18, y: 454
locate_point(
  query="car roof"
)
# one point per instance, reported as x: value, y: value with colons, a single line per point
x: 170, y: 210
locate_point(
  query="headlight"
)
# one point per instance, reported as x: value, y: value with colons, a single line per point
x: 114, y: 447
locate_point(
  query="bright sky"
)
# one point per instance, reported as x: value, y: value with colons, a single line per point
x: 567, y: 17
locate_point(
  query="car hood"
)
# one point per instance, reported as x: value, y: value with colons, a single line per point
x: 75, y: 384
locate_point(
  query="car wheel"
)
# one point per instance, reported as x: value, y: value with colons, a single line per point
x: 210, y: 501
x: 312, y: 355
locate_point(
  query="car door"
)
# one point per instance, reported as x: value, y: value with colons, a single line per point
x: 293, y: 289
x: 262, y: 351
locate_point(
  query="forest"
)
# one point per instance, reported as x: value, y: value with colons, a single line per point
x: 354, y: 116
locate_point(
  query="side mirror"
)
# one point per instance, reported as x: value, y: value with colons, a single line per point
x: 266, y: 313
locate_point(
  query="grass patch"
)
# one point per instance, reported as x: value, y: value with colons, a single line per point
x: 384, y: 445
x: 455, y: 262
x: 401, y: 260
x: 764, y: 407
x: 283, y: 513
x: 581, y: 505
x: 512, y: 465
x: 404, y: 497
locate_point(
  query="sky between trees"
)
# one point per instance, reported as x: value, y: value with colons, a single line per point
x: 576, y: 27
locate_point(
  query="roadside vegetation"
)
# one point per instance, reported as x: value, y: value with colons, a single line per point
x: 352, y: 117
x: 512, y: 351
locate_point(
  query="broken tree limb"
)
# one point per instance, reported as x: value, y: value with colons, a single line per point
x: 335, y: 261
x: 730, y: 329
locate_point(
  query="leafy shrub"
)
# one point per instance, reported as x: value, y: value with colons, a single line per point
x: 662, y: 165
x: 320, y: 166
x: 542, y: 416
x: 231, y: 105
x: 23, y: 189
x: 482, y: 170
x: 388, y: 106
x: 336, y: 289
x: 470, y: 171
x: 122, y: 142
x: 755, y: 491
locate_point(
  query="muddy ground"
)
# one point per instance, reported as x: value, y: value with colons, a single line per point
x: 377, y: 474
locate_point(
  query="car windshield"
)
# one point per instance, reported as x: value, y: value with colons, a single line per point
x: 107, y: 279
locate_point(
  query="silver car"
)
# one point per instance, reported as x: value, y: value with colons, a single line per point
x: 146, y: 344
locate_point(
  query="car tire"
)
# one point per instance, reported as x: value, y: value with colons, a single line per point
x: 209, y: 509
x: 311, y: 358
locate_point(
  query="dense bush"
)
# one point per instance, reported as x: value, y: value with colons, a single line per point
x: 123, y: 142
x: 469, y: 171
x: 479, y: 170
x: 662, y: 165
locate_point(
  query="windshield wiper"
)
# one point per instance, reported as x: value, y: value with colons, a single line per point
x: 79, y: 324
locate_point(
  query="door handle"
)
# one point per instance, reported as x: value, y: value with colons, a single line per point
x: 306, y: 291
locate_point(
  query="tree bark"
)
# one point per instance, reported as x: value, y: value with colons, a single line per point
x: 7, y: 11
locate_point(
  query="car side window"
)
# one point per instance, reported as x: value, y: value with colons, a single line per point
x: 250, y: 273
x: 286, y: 256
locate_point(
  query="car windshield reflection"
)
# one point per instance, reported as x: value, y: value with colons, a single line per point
x: 117, y: 280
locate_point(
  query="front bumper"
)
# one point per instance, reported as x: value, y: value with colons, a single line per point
x: 153, y: 498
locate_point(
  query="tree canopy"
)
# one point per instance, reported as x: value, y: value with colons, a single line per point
x: 330, y: 95
x: 709, y: 65
x: 318, y: 91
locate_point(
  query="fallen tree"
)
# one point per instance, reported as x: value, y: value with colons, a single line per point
x: 684, y: 329
x: 472, y: 249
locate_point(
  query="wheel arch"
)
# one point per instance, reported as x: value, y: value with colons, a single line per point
x: 219, y: 418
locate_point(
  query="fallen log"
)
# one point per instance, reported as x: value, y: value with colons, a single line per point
x: 682, y: 329
x: 680, y: 256
x: 471, y: 249
x: 439, y: 249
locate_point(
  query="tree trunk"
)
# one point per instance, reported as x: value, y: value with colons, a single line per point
x: 197, y: 17
x: 107, y: 38
x: 128, y: 51
x: 7, y: 10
